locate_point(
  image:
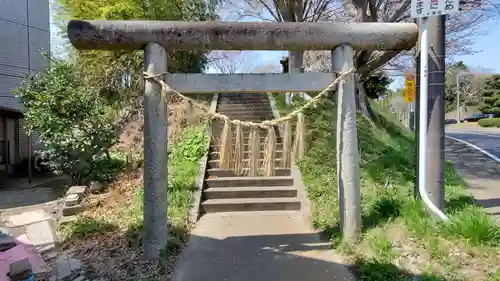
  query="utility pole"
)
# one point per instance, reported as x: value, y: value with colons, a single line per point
x: 416, y: 193
x: 458, y: 97
x: 436, y: 113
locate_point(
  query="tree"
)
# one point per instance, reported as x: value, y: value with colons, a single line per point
x: 268, y: 67
x: 490, y: 95
x: 471, y: 81
x: 460, y: 27
x: 377, y: 85
x: 451, y: 83
x: 108, y: 69
x: 72, y: 119
x: 231, y: 61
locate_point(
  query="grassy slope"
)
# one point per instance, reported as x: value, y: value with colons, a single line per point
x: 115, y: 219
x: 399, y: 238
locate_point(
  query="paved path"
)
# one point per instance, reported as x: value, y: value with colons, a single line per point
x: 480, y: 172
x: 34, y: 211
x: 264, y: 246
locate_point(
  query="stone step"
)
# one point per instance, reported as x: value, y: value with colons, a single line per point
x: 250, y: 108
x: 246, y: 155
x: 250, y: 204
x: 223, y: 173
x: 250, y: 192
x: 252, y: 118
x: 248, y: 116
x: 249, y: 181
x: 215, y: 147
x: 244, y: 100
x: 238, y: 96
x: 252, y: 103
x: 214, y: 164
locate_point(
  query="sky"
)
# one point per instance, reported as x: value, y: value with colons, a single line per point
x: 488, y: 45
x: 486, y: 58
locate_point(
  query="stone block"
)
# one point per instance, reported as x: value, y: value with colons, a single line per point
x: 72, y: 199
x: 73, y: 210
x: 62, y: 266
x: 77, y: 189
x: 20, y: 270
x: 42, y: 236
x: 7, y: 241
x: 68, y: 219
x: 27, y: 218
x: 96, y: 187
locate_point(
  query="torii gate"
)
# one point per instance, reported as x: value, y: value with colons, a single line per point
x: 158, y: 37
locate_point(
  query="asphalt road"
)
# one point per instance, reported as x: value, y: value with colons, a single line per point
x: 487, y: 139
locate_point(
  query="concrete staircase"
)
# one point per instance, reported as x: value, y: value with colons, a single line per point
x: 226, y: 192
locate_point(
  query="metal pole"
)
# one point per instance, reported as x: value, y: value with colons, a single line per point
x: 155, y: 156
x: 436, y: 109
x: 30, y: 156
x: 422, y: 141
x: 458, y: 97
x: 6, y: 144
x: 416, y: 192
x: 347, y: 146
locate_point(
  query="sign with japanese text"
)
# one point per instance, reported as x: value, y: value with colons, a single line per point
x: 429, y: 8
x: 409, y: 93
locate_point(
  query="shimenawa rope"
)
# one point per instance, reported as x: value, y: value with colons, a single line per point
x: 231, y: 154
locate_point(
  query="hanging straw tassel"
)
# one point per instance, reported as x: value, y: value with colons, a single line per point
x: 254, y: 153
x: 287, y: 145
x: 300, y: 131
x: 226, y: 149
x: 239, y: 150
x: 270, y: 152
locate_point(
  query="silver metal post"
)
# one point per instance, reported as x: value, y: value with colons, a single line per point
x: 347, y: 146
x: 155, y: 156
x: 458, y: 97
x: 423, y: 123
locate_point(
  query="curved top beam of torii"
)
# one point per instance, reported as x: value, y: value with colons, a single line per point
x: 219, y: 35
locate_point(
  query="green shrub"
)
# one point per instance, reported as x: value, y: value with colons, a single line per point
x: 70, y: 117
x: 489, y: 122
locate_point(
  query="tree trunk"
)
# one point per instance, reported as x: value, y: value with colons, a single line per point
x: 363, y: 102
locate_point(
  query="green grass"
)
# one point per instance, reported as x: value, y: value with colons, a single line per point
x: 183, y: 167
x: 399, y: 236
x: 182, y: 170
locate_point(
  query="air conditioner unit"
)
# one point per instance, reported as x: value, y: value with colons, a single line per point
x: 37, y: 159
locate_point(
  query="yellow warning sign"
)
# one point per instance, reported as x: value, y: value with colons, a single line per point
x: 409, y: 93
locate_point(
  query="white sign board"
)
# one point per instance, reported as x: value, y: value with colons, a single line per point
x: 429, y: 8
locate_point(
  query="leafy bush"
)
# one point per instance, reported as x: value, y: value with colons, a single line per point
x: 490, y: 95
x: 72, y: 119
x: 489, y: 122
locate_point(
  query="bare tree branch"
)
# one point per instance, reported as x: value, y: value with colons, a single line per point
x: 461, y: 28
x: 228, y: 62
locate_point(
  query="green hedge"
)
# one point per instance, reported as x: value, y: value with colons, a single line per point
x: 489, y: 122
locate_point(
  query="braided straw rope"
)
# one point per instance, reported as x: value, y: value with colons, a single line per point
x: 231, y: 155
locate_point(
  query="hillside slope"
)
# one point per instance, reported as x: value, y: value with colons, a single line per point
x: 400, y: 239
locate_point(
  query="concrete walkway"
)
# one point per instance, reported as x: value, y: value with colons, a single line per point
x: 34, y: 211
x: 480, y: 173
x: 264, y: 246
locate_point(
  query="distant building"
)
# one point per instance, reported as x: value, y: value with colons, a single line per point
x: 24, y: 34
